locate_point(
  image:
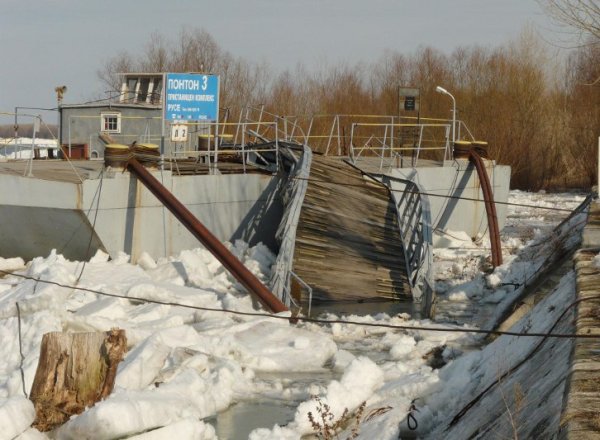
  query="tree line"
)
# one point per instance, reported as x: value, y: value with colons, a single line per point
x: 26, y: 130
x: 539, y: 114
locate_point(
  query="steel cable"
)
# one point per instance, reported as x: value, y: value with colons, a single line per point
x: 322, y: 321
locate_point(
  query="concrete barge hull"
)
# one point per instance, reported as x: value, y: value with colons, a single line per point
x: 28, y: 232
x: 455, y: 196
x: 115, y: 213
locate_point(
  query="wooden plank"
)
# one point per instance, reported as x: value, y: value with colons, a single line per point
x: 348, y: 244
x: 580, y: 418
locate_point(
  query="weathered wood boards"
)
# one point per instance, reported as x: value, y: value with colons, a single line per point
x: 348, y: 244
x: 75, y: 371
x: 581, y: 414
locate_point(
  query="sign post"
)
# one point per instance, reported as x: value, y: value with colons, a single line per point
x: 409, y: 101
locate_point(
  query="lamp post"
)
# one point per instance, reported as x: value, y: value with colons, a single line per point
x: 60, y: 91
x: 443, y: 91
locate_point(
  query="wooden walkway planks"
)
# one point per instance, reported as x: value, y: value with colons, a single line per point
x: 581, y: 412
x: 348, y: 245
x: 581, y: 415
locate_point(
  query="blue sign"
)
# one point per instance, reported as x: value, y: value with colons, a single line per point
x: 191, y: 97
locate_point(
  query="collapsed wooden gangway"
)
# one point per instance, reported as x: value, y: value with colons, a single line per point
x: 348, y: 245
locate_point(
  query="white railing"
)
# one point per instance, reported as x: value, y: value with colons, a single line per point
x: 399, y: 145
x: 414, y: 222
x: 248, y: 141
x: 293, y: 190
x: 205, y: 142
x: 366, y: 135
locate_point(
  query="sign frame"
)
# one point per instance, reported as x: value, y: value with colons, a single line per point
x: 409, y: 99
x: 191, y: 97
x: 179, y: 132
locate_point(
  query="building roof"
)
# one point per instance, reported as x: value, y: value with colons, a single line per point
x: 113, y: 105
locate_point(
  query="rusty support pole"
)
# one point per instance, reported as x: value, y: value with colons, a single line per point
x: 490, y: 207
x: 221, y: 253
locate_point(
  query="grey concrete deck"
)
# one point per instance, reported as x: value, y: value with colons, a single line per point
x: 77, y: 171
x: 74, y: 171
x: 377, y: 165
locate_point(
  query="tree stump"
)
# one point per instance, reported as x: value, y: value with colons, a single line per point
x: 75, y: 371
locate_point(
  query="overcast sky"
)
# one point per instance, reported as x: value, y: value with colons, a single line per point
x: 46, y: 43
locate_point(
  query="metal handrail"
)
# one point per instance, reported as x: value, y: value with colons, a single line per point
x: 217, y: 135
x: 285, y: 120
x: 29, y: 170
x: 385, y: 147
x: 306, y: 286
x: 414, y: 222
x: 294, y: 189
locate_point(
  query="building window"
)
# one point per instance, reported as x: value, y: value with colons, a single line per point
x: 111, y: 122
x: 145, y: 89
x: 155, y: 96
x: 142, y: 95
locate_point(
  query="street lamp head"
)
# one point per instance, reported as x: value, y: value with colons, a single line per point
x: 443, y: 91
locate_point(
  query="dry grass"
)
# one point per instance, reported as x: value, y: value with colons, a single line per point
x: 327, y: 427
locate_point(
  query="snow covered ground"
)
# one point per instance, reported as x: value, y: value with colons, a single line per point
x: 468, y: 293
x: 187, y: 365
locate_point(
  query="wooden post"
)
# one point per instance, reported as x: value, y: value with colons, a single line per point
x: 75, y: 371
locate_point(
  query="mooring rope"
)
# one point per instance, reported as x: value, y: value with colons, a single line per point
x: 21, y: 350
x: 93, y: 228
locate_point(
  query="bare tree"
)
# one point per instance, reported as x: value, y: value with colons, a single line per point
x: 581, y: 15
x: 156, y: 55
x: 542, y: 121
x: 109, y: 73
x: 196, y: 51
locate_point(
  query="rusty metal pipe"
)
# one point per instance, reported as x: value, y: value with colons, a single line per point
x: 221, y: 253
x: 490, y: 207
